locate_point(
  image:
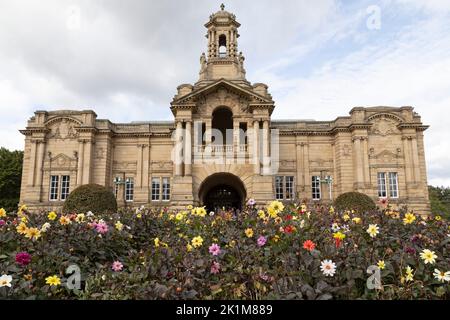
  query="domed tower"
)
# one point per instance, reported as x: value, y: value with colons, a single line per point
x: 223, y: 60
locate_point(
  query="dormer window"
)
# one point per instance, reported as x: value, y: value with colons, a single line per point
x: 222, y: 46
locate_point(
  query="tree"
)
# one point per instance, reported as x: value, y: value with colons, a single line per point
x: 440, y: 200
x: 10, y: 178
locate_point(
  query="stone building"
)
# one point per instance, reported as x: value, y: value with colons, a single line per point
x: 223, y: 147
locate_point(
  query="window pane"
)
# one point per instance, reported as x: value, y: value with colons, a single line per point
x: 381, y: 177
x: 290, y: 187
x: 54, y: 182
x: 166, y: 189
x: 393, y: 184
x: 129, y: 189
x: 315, y: 186
x: 65, y: 187
x: 279, y: 188
x: 155, y: 189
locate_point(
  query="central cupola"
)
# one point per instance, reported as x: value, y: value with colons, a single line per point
x: 223, y: 60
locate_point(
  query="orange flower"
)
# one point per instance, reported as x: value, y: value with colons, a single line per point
x: 309, y: 245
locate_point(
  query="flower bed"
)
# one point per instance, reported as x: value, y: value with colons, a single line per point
x: 269, y: 253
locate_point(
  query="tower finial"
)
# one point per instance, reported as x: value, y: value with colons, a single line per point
x: 222, y: 6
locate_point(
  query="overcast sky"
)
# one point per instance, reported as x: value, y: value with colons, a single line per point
x: 124, y: 59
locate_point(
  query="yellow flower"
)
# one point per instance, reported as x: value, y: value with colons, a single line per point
x: 381, y: 265
x: 197, y: 242
x: 33, y: 233
x: 278, y: 220
x: 52, y: 215
x: 249, y: 232
x: 188, y: 247
x: 64, y: 220
x: 331, y: 210
x: 373, y: 230
x: 139, y: 215
x: 2, y: 213
x: 276, y: 206
x: 356, y: 220
x: 28, y: 277
x: 119, y: 225
x: 80, y: 218
x: 276, y: 238
x: 409, y: 218
x: 190, y: 207
x: 346, y: 217
x: 53, y: 280
x: 428, y: 256
x: 409, y: 273
x: 232, y: 243
x: 156, y: 241
x: 24, y: 219
x: 200, y: 212
x: 438, y: 218
x: 22, y: 228
x: 21, y: 209
x: 339, y: 235
x: 179, y: 216
x: 261, y: 214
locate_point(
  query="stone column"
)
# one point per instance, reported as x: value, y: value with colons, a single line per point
x: 31, y: 173
x: 306, y: 172
x: 415, y: 157
x: 365, y: 156
x: 139, y: 168
x: 407, y: 161
x: 146, y: 166
x: 188, y: 149
x: 87, y: 162
x: 300, y: 181
x: 39, y: 163
x: 80, y: 162
x: 358, y: 162
x: 256, y: 157
x: 265, y: 145
x: 178, y: 148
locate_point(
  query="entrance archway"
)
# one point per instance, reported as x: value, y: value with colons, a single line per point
x: 222, y: 190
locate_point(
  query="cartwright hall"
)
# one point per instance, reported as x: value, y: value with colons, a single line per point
x: 223, y: 147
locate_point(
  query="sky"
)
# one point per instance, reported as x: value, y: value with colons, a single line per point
x: 124, y: 59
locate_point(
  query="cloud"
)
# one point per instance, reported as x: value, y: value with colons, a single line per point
x: 125, y: 59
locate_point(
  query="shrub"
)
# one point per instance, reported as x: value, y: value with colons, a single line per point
x: 354, y: 201
x: 91, y: 197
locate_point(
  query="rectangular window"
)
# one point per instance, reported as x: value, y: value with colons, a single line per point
x: 54, y: 185
x: 315, y: 186
x: 129, y: 189
x: 381, y: 178
x: 116, y: 187
x: 393, y: 184
x: 279, y: 188
x: 289, y: 188
x: 155, y: 189
x: 65, y: 187
x: 165, y: 189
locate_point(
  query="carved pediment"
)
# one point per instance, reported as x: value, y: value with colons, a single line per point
x: 62, y: 129
x: 385, y: 155
x: 60, y: 162
x: 384, y: 125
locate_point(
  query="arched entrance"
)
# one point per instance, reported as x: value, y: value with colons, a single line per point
x: 222, y: 190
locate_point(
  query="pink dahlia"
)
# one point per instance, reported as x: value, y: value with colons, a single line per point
x: 23, y: 258
x: 214, y: 249
x: 215, y: 267
x: 117, y: 266
x: 2, y: 223
x: 101, y: 228
x: 261, y: 241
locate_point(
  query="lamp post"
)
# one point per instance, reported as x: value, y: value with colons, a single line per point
x: 121, y: 181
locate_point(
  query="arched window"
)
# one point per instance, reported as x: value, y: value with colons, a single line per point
x: 222, y: 120
x: 222, y: 46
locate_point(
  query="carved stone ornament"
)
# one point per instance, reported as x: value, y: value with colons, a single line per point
x: 63, y: 130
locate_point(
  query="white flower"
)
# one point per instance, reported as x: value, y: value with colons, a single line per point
x: 5, y: 281
x: 373, y: 230
x: 45, y: 227
x: 335, y: 227
x: 89, y: 214
x: 428, y: 256
x: 302, y: 224
x: 211, y: 213
x: 103, y: 277
x: 442, y: 276
x: 328, y: 268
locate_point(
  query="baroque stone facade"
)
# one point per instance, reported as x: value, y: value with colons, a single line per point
x: 378, y: 150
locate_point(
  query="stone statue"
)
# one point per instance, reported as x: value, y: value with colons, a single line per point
x: 202, y: 65
x: 241, y: 60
